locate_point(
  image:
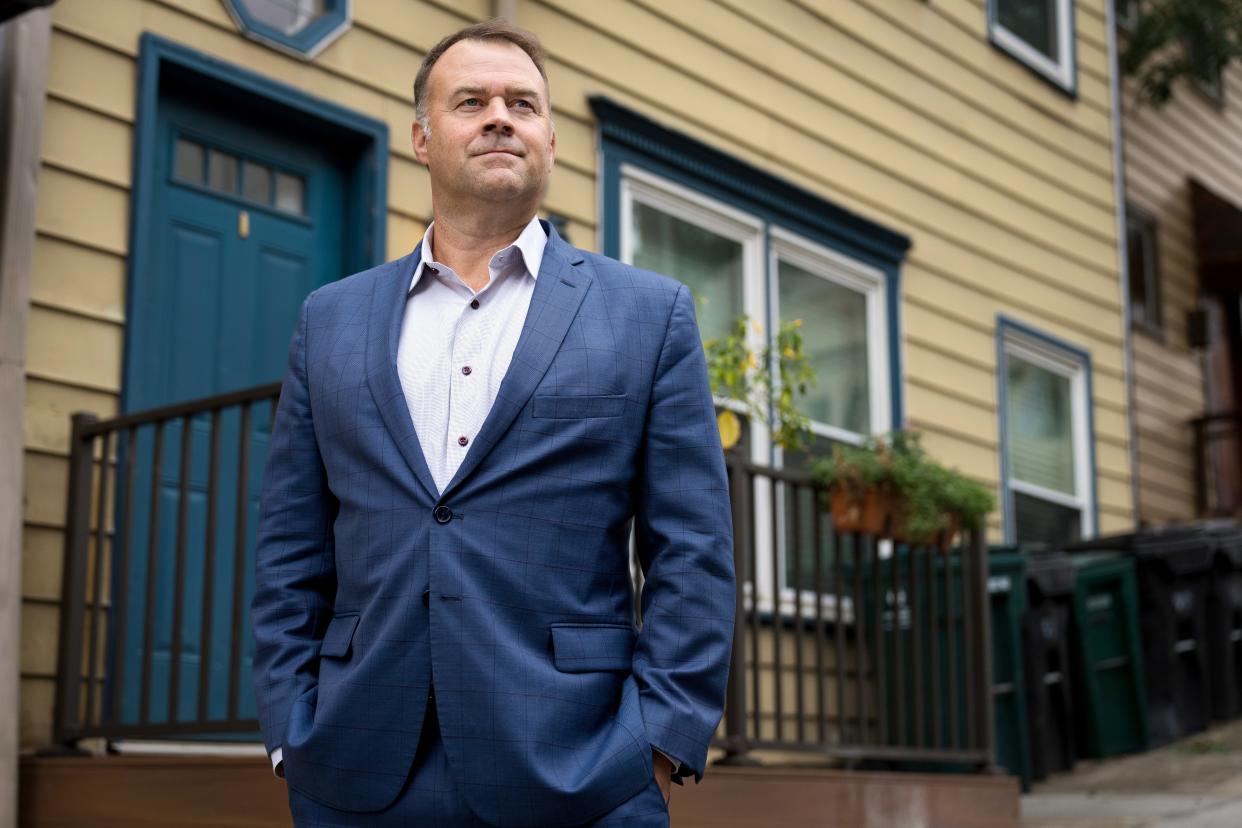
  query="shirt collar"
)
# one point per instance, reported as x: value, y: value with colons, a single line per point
x: 531, y: 243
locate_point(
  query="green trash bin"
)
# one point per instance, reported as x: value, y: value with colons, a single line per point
x: 1108, y: 655
x: 1008, y: 602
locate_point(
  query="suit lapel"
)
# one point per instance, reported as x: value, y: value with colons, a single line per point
x: 387, y: 306
x: 559, y: 292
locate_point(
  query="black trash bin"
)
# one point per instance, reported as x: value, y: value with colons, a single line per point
x: 1225, y: 621
x: 1174, y: 568
x: 1046, y: 640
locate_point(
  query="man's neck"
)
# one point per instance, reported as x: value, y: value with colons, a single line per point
x: 468, y: 244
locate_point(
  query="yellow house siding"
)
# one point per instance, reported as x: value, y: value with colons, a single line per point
x: 1189, y: 138
x: 904, y: 113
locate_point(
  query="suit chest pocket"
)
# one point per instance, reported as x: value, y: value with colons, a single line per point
x: 577, y: 406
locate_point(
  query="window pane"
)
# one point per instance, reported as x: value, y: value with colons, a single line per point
x: 189, y: 161
x: 708, y: 263
x: 221, y: 171
x: 290, y: 193
x: 834, y: 332
x: 1136, y: 254
x: 257, y: 182
x: 1034, y: 21
x: 1038, y: 521
x: 1040, y: 422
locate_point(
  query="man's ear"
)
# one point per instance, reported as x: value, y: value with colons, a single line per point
x: 418, y: 139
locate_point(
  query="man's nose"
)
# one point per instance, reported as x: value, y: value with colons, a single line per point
x: 497, y: 117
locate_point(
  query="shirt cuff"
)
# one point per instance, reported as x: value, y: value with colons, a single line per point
x: 677, y: 765
x: 278, y: 756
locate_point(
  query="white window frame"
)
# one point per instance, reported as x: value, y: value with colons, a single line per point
x: 763, y: 245
x: 1059, y: 72
x: 1044, y: 355
x: 833, y: 267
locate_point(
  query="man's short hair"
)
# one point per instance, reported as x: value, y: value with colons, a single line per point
x: 495, y: 29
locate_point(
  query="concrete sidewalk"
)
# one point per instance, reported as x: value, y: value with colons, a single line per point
x: 1195, y: 783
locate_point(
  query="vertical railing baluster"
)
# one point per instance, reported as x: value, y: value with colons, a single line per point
x: 916, y: 651
x: 970, y: 605
x: 950, y: 643
x: 183, y: 520
x: 67, y: 713
x: 878, y: 654
x: 794, y: 492
x: 93, y: 685
x: 777, y: 618
x: 153, y: 545
x: 239, y: 560
x: 933, y: 629
x: 123, y: 545
x: 899, y: 674
x: 840, y: 658
x: 735, y: 701
x: 983, y: 648
x: 821, y: 685
x: 756, y: 665
x: 862, y: 658
x: 209, y: 568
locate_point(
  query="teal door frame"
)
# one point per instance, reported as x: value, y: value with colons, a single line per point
x: 162, y: 61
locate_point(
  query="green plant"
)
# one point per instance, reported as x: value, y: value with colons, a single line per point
x: 737, y: 373
x: 931, y: 498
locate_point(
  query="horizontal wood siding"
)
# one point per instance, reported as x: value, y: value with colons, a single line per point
x: 904, y: 113
x: 1164, y: 148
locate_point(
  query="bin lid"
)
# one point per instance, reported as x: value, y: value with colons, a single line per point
x: 1183, y: 550
x: 1101, y: 563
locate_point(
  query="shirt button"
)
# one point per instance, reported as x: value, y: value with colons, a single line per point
x: 465, y: 369
x: 433, y: 271
x: 443, y: 514
x: 474, y: 303
x: 462, y: 440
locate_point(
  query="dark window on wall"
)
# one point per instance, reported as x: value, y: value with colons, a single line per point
x: 1039, y: 33
x: 1143, y: 270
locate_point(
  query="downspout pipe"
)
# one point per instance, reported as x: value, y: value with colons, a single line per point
x: 1123, y: 260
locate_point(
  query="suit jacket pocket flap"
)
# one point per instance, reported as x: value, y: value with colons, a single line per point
x: 578, y: 648
x: 577, y: 406
x: 339, y: 634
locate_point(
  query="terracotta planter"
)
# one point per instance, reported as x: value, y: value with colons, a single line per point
x: 870, y: 514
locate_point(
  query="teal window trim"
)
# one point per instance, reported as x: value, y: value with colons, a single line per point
x: 1005, y: 328
x: 163, y: 61
x: 629, y: 138
x: 312, y: 40
x: 1064, y: 76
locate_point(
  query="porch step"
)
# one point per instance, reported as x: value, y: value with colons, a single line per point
x: 166, y: 791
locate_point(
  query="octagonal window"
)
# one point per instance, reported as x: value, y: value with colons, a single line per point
x: 303, y: 27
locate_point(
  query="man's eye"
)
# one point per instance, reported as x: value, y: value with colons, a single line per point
x: 524, y: 103
x: 471, y: 102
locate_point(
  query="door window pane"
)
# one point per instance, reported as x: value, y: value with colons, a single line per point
x: 257, y: 182
x: 290, y: 193
x: 1040, y: 423
x: 1034, y: 21
x: 834, y: 334
x: 188, y: 162
x: 708, y: 263
x: 221, y: 171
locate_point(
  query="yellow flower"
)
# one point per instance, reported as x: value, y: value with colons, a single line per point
x: 797, y: 323
x: 751, y: 361
x: 758, y: 327
x: 789, y: 352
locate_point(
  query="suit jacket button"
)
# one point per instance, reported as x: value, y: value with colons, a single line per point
x: 443, y: 514
x: 427, y: 598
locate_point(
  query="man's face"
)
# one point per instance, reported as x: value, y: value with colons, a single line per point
x: 490, y: 124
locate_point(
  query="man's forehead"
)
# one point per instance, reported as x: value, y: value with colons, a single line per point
x: 487, y: 63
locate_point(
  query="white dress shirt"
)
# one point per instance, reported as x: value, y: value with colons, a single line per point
x: 454, y: 348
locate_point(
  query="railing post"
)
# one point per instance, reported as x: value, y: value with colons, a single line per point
x: 736, y: 747
x: 1200, y: 466
x: 985, y: 726
x: 67, y: 721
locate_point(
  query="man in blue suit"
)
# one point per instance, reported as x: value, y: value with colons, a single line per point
x: 464, y: 440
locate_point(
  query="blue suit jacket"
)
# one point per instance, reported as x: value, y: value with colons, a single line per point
x: 511, y: 588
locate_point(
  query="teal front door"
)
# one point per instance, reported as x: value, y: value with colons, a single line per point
x: 246, y: 218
